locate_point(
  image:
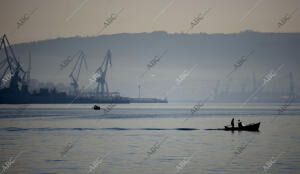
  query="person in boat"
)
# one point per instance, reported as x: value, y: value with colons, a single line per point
x: 240, y: 124
x: 232, y: 123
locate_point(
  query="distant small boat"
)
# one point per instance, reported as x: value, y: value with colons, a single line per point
x: 96, y: 107
x: 248, y: 127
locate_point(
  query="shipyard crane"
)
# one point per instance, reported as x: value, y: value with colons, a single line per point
x: 74, y: 75
x: 9, y: 65
x: 292, y: 91
x: 102, y: 70
x: 26, y: 76
x: 216, y: 90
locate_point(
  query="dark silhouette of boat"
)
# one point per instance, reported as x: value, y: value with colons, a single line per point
x: 248, y: 127
x: 96, y: 107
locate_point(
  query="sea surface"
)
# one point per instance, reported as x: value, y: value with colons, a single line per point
x: 148, y: 139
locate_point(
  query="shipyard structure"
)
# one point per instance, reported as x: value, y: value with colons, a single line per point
x: 14, y: 82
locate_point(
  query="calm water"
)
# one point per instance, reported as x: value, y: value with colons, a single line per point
x: 37, y: 134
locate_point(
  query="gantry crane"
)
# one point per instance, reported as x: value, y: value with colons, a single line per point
x: 9, y: 65
x: 101, y: 79
x: 74, y: 75
x: 26, y: 76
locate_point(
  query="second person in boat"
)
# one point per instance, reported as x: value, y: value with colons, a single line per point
x: 240, y: 124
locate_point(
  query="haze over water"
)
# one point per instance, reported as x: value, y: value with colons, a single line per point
x: 227, y: 59
x: 125, y: 135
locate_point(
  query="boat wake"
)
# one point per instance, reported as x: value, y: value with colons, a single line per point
x: 88, y: 129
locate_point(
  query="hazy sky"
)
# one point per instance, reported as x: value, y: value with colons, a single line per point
x: 66, y: 18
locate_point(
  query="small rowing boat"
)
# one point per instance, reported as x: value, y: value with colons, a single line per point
x: 96, y: 107
x: 248, y: 127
